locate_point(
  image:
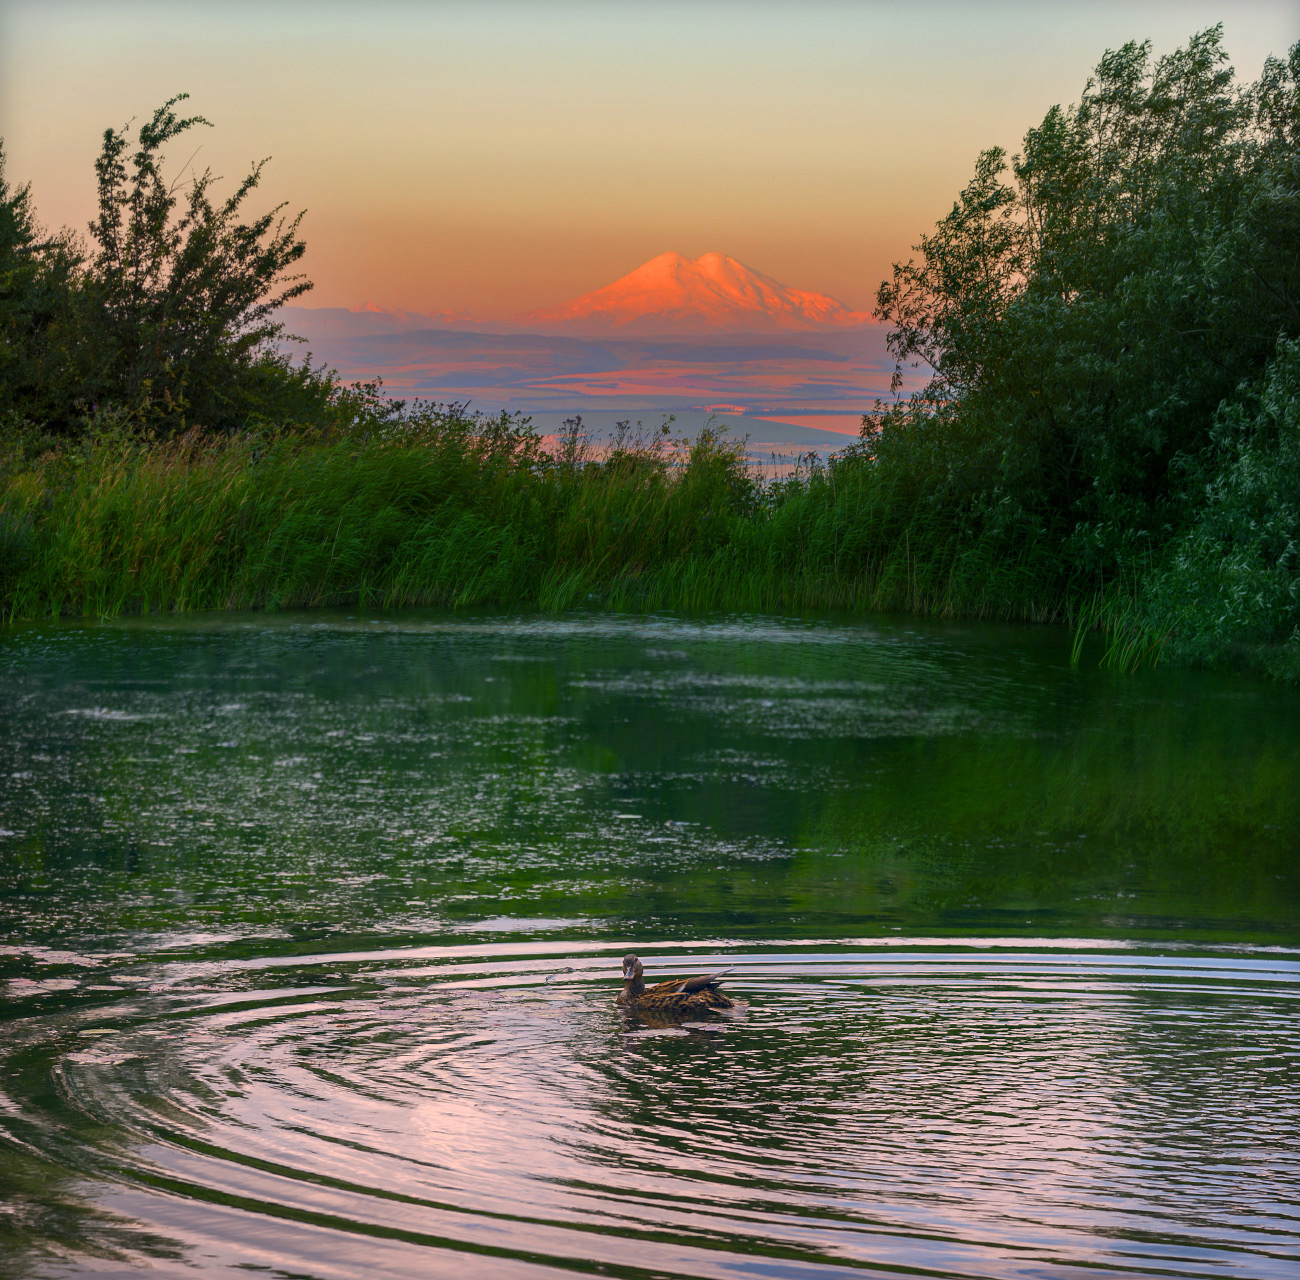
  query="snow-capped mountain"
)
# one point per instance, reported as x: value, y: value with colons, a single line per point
x: 674, y: 294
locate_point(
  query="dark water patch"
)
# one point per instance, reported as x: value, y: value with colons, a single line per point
x: 813, y: 778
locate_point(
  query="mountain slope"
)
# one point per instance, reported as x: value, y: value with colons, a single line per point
x: 713, y: 293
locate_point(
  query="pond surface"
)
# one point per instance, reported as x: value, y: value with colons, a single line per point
x: 310, y: 928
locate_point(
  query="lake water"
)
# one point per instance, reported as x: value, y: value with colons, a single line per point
x: 312, y: 925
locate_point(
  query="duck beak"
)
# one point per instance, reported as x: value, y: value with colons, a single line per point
x: 629, y: 971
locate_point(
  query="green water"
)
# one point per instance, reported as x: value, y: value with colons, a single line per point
x: 311, y: 927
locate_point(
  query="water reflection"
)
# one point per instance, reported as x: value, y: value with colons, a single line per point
x: 975, y: 1111
x: 668, y: 779
x: 312, y: 929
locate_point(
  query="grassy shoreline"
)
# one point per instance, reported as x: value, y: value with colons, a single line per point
x: 456, y: 510
x: 1110, y: 436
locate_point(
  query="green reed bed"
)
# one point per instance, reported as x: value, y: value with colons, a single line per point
x: 460, y: 510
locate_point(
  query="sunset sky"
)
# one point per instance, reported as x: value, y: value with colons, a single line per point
x: 495, y: 157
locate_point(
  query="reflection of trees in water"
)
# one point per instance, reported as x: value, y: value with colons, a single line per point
x: 46, y: 1209
x: 1130, y: 813
x: 343, y: 779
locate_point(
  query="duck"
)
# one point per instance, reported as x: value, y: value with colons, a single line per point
x: 679, y: 995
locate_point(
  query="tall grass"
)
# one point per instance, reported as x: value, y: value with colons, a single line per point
x: 461, y: 510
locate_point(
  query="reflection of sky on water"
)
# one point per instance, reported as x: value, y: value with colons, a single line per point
x: 991, y: 1113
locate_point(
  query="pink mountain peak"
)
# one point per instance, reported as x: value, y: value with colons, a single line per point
x: 714, y: 292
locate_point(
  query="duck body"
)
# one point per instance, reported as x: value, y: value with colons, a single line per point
x: 680, y: 995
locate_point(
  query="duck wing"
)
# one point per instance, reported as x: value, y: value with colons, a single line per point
x: 702, y: 981
x: 688, y: 985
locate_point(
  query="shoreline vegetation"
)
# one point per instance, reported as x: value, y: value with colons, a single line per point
x: 453, y: 508
x: 1110, y: 437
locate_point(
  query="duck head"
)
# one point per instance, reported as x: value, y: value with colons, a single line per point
x: 632, y: 969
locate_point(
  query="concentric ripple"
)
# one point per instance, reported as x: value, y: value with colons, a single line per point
x: 995, y: 1109
x: 310, y: 929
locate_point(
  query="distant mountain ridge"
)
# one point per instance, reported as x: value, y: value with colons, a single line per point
x: 710, y: 294
x: 789, y: 368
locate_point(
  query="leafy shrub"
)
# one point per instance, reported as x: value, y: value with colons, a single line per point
x: 168, y: 318
x: 1233, y: 578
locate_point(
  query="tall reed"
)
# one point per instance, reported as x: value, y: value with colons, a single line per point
x: 460, y: 510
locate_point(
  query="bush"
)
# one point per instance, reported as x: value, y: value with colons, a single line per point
x: 168, y: 319
x: 1233, y: 578
x: 40, y: 351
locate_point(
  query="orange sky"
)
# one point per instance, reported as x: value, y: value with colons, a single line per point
x: 494, y: 157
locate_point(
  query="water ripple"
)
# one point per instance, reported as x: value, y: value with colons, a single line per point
x: 995, y: 1110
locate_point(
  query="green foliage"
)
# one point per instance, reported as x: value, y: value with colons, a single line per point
x: 187, y: 291
x: 169, y: 319
x: 442, y: 506
x: 446, y: 507
x: 1090, y: 324
x: 1233, y: 578
x: 38, y: 312
x: 1109, y: 435
x: 1089, y: 318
